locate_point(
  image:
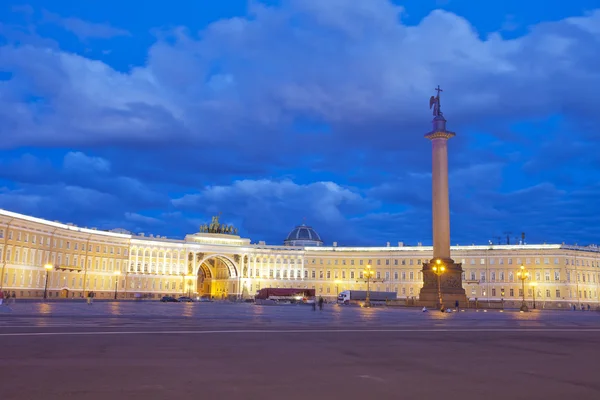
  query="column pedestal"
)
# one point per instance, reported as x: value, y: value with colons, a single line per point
x: 450, y: 285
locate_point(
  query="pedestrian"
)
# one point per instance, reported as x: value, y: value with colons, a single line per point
x: 7, y: 298
x: 320, y: 303
x: 14, y: 297
x: 89, y: 298
x: 588, y: 307
x: 1, y: 297
x: 314, y: 304
x: 456, y: 305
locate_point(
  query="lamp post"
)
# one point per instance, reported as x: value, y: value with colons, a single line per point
x: 48, y: 268
x: 523, y: 275
x: 116, y: 273
x: 439, y: 269
x: 368, y: 273
x: 533, y: 288
x: 189, y: 284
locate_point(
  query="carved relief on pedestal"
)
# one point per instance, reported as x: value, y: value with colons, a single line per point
x: 236, y: 258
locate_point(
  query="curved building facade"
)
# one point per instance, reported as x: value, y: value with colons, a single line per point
x: 217, y: 262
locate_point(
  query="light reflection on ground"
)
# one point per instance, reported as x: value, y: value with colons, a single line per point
x: 295, y: 315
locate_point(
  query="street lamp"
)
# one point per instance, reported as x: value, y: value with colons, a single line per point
x: 48, y: 268
x: 189, y: 284
x: 368, y: 273
x: 523, y: 275
x: 439, y: 269
x: 533, y: 288
x: 116, y: 273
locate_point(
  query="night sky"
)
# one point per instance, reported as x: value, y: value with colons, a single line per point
x: 153, y: 116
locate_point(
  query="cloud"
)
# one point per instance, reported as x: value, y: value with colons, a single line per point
x: 267, y: 207
x: 344, y: 79
x: 84, y: 29
x: 78, y: 161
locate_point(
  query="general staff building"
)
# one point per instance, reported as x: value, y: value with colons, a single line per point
x: 68, y: 261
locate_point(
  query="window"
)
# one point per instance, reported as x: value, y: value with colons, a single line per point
x: 512, y: 292
x: 351, y: 274
x: 556, y: 275
x: 493, y: 292
x: 411, y: 275
x: 558, y: 293
x: 396, y: 275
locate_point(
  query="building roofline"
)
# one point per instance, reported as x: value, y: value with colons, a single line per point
x: 72, y: 228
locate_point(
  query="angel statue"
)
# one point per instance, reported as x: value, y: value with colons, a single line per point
x: 434, y: 102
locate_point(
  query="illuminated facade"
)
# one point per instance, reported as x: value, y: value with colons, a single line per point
x: 221, y: 264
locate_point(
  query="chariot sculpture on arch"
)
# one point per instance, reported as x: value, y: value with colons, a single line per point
x: 216, y: 227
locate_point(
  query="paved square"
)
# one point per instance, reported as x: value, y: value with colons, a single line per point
x: 220, y: 351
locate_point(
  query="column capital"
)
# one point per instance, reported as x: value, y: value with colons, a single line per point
x: 440, y: 135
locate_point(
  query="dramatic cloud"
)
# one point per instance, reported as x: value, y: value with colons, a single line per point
x: 312, y: 109
x: 83, y: 29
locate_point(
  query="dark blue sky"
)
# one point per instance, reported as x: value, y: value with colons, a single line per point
x: 135, y: 115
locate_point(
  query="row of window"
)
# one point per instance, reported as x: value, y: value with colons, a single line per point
x: 471, y: 261
x: 60, y: 243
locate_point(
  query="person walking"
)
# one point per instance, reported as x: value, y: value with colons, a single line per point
x: 1, y: 297
x: 457, y: 305
x: 14, y: 297
x: 320, y: 303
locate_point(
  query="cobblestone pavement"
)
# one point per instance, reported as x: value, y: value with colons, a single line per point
x: 152, y: 350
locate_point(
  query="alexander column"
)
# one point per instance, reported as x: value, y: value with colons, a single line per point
x: 442, y: 277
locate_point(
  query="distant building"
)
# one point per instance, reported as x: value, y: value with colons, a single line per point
x: 218, y: 262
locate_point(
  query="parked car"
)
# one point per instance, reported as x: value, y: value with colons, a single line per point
x: 185, y: 299
x: 169, y: 299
